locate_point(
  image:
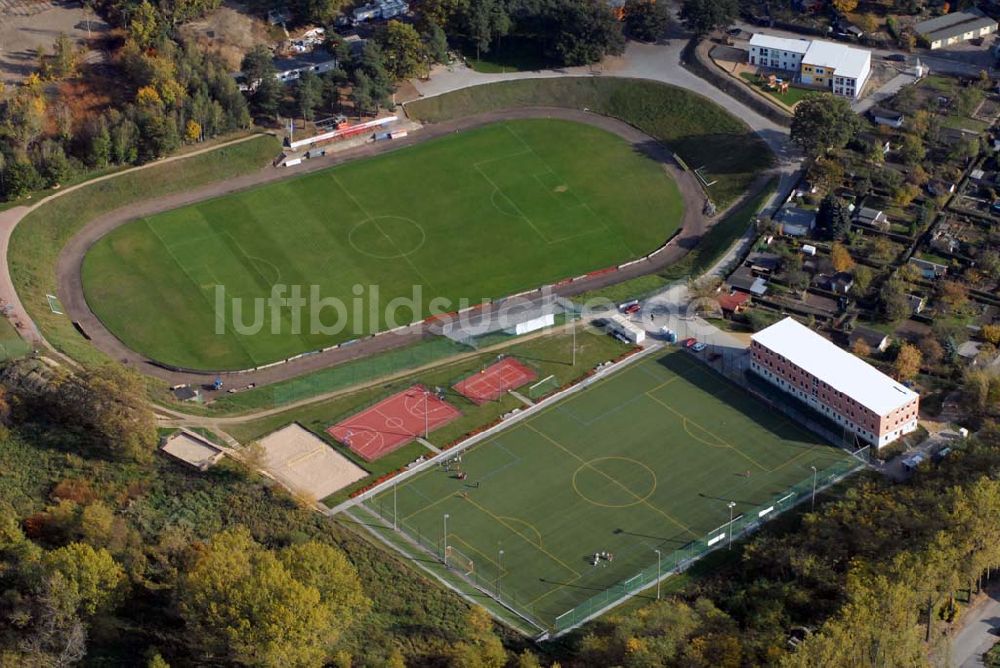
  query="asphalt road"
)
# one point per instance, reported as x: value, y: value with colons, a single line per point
x: 980, y: 631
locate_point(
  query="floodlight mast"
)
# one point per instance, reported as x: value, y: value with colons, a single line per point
x: 445, y: 550
x: 732, y: 504
x: 499, y: 571
x: 814, y: 488
x: 657, y: 574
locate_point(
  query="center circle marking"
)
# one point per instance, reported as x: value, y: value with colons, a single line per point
x: 387, y: 237
x: 636, y: 496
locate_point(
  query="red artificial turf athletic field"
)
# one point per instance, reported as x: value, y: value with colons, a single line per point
x: 393, y: 422
x: 490, y: 383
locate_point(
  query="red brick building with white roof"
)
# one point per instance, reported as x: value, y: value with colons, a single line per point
x: 844, y: 388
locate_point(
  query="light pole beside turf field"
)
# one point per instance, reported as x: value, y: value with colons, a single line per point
x: 445, y: 551
x: 732, y: 504
x: 395, y: 523
x: 572, y: 326
x: 499, y: 571
x: 427, y: 419
x: 657, y: 574
x: 814, y: 488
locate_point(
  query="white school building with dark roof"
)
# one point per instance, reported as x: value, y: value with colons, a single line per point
x: 837, y: 384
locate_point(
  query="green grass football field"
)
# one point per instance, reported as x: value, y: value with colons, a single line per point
x: 647, y: 459
x: 483, y: 213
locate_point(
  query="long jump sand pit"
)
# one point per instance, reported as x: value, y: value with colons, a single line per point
x: 304, y: 463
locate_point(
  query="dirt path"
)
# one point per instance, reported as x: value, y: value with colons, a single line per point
x: 693, y: 226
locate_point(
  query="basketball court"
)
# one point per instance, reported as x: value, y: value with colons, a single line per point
x: 393, y: 422
x: 490, y: 383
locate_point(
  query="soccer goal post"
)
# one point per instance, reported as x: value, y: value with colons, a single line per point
x: 459, y: 561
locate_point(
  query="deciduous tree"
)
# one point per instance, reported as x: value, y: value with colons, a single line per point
x: 861, y: 348
x: 840, y: 257
x: 862, y: 280
x: 251, y: 605
x: 893, y: 298
x: 109, y: 402
x: 93, y: 576
x: 991, y: 334
x: 823, y: 122
x: 931, y: 349
x: 646, y: 20
x: 405, y: 52
x: 704, y: 16
x: 585, y: 31
x: 908, y: 361
x: 952, y: 294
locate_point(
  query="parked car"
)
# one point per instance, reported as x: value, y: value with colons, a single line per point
x: 632, y: 308
x: 698, y: 347
x: 734, y: 32
x: 896, y: 57
x: 625, y: 306
x: 688, y: 343
x: 668, y: 334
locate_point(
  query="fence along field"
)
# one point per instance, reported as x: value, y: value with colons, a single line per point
x: 484, y: 213
x: 647, y: 459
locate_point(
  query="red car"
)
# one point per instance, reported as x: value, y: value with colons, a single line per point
x: 632, y: 309
x: 690, y: 342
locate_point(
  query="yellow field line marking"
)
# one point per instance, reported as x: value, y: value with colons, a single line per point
x: 552, y: 591
x: 527, y: 524
x: 662, y: 385
x: 431, y: 505
x: 614, y: 480
x: 805, y: 451
x: 721, y: 440
x: 453, y: 537
x: 684, y: 423
x: 508, y: 526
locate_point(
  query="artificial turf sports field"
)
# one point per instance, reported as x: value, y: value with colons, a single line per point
x: 483, y: 213
x: 645, y: 459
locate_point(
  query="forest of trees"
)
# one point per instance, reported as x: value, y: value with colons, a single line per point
x: 567, y: 32
x: 166, y: 92
x: 169, y: 93
x: 111, y: 553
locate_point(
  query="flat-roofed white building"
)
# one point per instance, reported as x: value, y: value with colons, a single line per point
x: 841, y: 69
x: 844, y: 388
x: 777, y: 53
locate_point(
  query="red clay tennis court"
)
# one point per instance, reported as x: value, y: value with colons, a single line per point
x: 489, y: 384
x: 393, y: 422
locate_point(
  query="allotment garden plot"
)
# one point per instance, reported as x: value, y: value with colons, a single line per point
x: 479, y: 214
x: 647, y: 459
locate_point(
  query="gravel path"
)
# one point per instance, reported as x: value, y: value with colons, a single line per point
x: 693, y: 226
